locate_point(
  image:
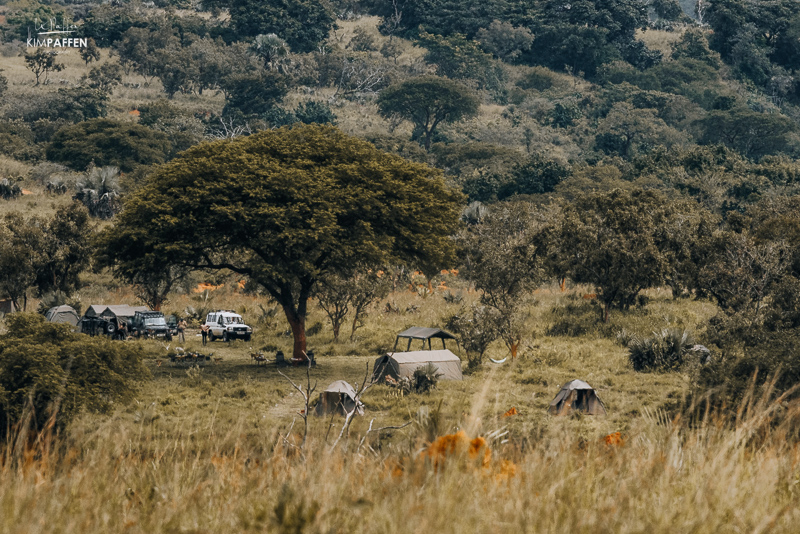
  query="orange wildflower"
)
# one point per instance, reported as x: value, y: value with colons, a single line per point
x: 614, y: 440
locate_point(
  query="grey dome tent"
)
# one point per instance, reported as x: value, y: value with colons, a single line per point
x: 576, y: 396
x: 339, y: 397
x: 403, y: 364
x: 63, y: 314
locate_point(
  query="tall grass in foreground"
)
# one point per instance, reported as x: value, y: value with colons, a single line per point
x: 715, y: 475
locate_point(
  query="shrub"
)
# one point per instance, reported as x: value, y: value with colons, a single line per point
x: 664, y: 351
x: 426, y: 378
x: 48, y: 373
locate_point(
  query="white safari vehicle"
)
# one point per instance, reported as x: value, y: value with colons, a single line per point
x: 227, y: 325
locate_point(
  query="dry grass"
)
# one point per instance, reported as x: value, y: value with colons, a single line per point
x: 215, y: 449
x: 659, y: 39
x: 206, y: 455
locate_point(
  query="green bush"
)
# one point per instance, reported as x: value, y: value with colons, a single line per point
x: 664, y: 351
x: 426, y: 378
x: 46, y: 370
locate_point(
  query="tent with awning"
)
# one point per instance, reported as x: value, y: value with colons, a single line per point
x: 425, y: 334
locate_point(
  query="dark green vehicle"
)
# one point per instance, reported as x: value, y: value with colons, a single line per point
x: 149, y: 324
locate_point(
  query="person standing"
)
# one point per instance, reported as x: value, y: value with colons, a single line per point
x: 204, y: 332
x: 181, y: 330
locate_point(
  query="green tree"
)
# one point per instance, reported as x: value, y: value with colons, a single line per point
x: 476, y: 330
x: 536, y: 176
x: 428, y: 101
x: 505, y: 265
x: 254, y: 94
x: 627, y: 131
x: 42, y: 62
x: 749, y: 132
x: 104, y: 77
x: 694, y: 45
x: 304, y: 24
x: 283, y: 208
x: 354, y: 290
x: 443, y: 17
x: 504, y: 40
x: 610, y: 240
x: 177, y: 70
x: 20, y: 258
x: 48, y: 374
x: 3, y: 84
x: 46, y: 253
x: 90, y: 52
x: 459, y: 58
x: 65, y: 249
x: 108, y: 143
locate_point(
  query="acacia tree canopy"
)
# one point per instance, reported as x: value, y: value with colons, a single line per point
x: 428, y: 101
x: 284, y: 207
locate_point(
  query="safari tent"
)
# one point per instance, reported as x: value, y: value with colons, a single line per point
x: 7, y: 306
x: 403, y: 364
x: 118, y: 311
x: 63, y: 314
x: 339, y: 397
x: 576, y: 396
x: 424, y: 334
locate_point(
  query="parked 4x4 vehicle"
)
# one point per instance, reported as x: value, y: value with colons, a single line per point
x: 149, y: 324
x: 227, y: 325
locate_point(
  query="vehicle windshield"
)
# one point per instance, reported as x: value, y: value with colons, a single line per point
x: 155, y: 321
x: 233, y: 320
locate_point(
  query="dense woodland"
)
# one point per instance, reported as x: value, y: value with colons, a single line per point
x: 329, y: 154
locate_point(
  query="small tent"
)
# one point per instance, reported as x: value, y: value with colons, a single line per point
x: 403, y: 364
x: 63, y: 314
x: 576, y: 396
x: 339, y: 397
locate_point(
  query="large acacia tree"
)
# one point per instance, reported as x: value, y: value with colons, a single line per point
x: 285, y: 207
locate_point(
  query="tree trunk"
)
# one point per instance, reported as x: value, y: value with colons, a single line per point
x: 514, y: 347
x: 298, y: 326
x: 606, y: 307
x: 563, y: 283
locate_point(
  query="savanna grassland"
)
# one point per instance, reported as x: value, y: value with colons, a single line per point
x: 216, y: 448
x: 578, y: 190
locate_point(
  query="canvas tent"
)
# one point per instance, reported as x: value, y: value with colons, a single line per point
x: 425, y: 334
x: 7, y: 306
x: 403, y: 364
x: 63, y: 314
x: 576, y: 396
x: 339, y: 397
x: 102, y: 319
x: 117, y: 311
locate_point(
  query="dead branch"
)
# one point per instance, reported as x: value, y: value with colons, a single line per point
x: 381, y: 429
x: 306, y: 396
x: 350, y: 414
